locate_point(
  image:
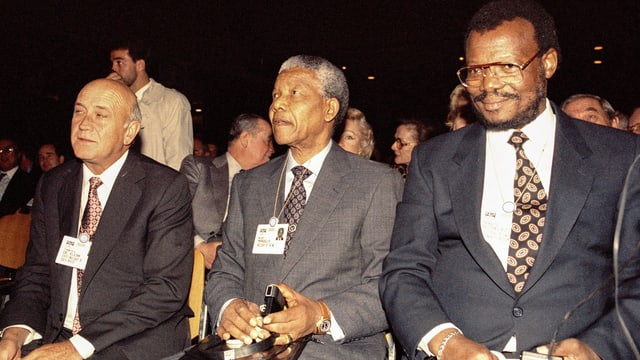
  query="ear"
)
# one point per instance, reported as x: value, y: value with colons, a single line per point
x: 61, y: 159
x: 332, y: 107
x: 130, y: 132
x: 244, y: 139
x: 141, y: 65
x: 615, y: 123
x: 550, y: 62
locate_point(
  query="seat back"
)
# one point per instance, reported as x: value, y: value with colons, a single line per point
x: 196, y: 293
x: 14, y: 238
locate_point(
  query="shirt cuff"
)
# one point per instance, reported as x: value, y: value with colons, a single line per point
x: 33, y: 335
x: 83, y: 346
x: 197, y: 240
x: 423, y: 345
x: 222, y: 309
x: 335, y: 331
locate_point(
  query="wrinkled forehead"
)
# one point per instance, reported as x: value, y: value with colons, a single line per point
x: 106, y: 94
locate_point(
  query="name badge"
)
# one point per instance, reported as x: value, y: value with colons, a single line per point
x: 270, y: 239
x: 74, y: 252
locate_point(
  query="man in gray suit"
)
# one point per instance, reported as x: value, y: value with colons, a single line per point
x: 454, y: 285
x: 250, y: 145
x: 328, y: 272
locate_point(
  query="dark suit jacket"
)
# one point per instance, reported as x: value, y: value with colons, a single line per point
x: 136, y: 282
x: 18, y: 192
x: 336, y: 256
x: 441, y: 269
x: 209, y: 187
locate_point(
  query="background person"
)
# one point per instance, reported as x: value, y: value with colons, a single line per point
x: 167, y: 128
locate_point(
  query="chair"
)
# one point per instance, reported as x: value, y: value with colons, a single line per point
x: 14, y: 238
x: 196, y: 293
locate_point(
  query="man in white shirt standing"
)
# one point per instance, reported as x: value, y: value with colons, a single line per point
x: 166, y: 134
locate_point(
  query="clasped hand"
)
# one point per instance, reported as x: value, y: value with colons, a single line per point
x: 241, y: 319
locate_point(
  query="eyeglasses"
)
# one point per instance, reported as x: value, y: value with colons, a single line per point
x: 505, y: 72
x: 7, y: 150
x: 400, y: 144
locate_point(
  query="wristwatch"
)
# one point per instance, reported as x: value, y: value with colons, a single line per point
x: 324, y: 324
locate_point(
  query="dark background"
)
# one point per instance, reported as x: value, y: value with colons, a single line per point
x: 224, y: 55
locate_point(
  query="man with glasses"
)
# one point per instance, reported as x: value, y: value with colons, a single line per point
x: 506, y: 225
x: 16, y: 186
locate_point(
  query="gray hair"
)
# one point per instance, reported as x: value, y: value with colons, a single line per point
x: 606, y: 106
x: 135, y: 113
x: 332, y: 79
x: 244, y: 122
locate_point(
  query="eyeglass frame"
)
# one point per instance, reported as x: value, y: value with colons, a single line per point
x: 484, y: 67
x: 402, y: 144
x: 8, y: 150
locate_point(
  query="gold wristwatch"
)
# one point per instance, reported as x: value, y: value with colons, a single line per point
x: 324, y: 324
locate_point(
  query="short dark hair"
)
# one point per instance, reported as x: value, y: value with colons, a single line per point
x: 334, y: 83
x: 494, y: 13
x: 244, y: 122
x: 422, y: 130
x: 139, y: 49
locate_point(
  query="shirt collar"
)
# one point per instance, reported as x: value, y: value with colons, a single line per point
x: 142, y: 90
x: 233, y: 164
x: 537, y: 131
x: 109, y: 176
x: 11, y: 172
x: 314, y: 164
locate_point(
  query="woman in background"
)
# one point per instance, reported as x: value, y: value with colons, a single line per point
x: 357, y: 136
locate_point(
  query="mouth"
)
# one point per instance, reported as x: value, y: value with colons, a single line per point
x: 84, y: 140
x: 494, y: 101
x: 495, y: 104
x: 280, y: 122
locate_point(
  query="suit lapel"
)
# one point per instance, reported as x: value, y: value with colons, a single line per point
x: 220, y: 175
x: 327, y: 192
x: 467, y: 177
x: 69, y: 210
x: 571, y: 181
x: 122, y: 201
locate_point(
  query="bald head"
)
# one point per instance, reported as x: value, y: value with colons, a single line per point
x: 106, y: 120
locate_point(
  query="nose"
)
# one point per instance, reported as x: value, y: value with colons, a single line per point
x: 490, y: 80
x: 277, y: 104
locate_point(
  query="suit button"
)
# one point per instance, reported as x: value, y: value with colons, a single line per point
x: 517, y: 312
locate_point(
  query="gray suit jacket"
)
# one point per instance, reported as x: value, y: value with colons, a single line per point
x: 133, y: 302
x: 209, y: 187
x: 336, y: 256
x: 441, y: 269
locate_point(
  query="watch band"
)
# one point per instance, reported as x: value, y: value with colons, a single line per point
x: 324, y: 324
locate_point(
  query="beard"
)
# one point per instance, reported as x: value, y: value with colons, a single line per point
x: 522, y: 118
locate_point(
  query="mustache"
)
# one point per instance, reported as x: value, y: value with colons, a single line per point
x: 484, y: 95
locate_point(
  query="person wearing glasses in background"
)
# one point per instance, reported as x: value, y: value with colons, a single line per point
x: 507, y: 224
x: 409, y: 133
x: 16, y: 185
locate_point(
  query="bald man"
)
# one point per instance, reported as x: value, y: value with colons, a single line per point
x: 123, y: 293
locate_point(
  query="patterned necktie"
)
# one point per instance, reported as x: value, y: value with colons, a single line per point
x: 530, y: 200
x: 295, y: 202
x: 90, y: 219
